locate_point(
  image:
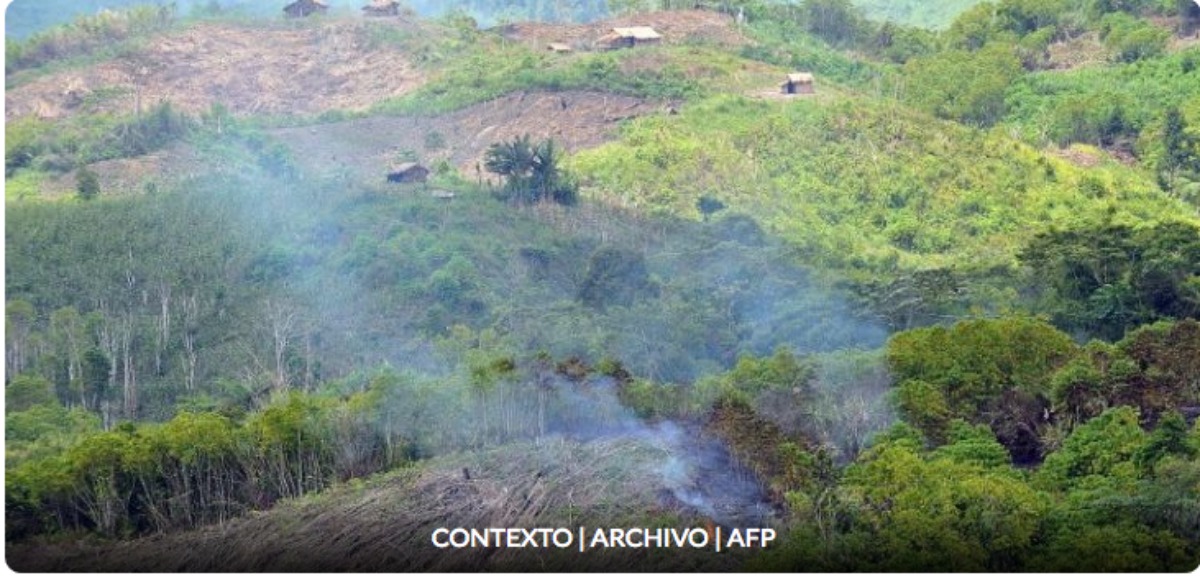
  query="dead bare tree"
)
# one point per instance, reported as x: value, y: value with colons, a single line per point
x: 283, y: 321
x: 190, y: 355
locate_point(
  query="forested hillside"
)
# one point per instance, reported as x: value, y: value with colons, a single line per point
x: 932, y: 15
x: 281, y: 290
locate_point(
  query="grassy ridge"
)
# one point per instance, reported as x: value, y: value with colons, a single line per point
x: 860, y: 183
x: 1060, y: 106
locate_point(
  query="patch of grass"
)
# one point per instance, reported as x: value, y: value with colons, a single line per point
x: 24, y: 185
x: 1123, y: 99
x: 489, y: 72
x: 88, y: 138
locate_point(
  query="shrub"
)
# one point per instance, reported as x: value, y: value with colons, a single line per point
x: 87, y: 184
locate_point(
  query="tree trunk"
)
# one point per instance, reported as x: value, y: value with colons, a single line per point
x: 128, y: 372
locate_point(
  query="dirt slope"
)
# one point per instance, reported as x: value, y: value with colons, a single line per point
x: 364, y: 147
x: 293, y: 68
x: 386, y: 524
x: 132, y: 175
x: 276, y: 70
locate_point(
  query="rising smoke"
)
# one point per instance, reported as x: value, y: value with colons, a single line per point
x: 725, y: 290
x: 696, y: 471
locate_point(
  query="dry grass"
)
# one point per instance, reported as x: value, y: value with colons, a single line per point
x: 266, y: 70
x: 1079, y: 52
x: 293, y: 69
x: 386, y: 524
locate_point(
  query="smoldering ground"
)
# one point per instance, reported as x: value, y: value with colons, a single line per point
x: 580, y: 459
x: 696, y: 471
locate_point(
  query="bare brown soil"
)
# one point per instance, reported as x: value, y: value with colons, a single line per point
x: 386, y: 525
x: 1091, y: 157
x: 1077, y: 157
x: 675, y: 26
x: 276, y: 70
x: 365, y: 147
x: 1178, y: 41
x: 293, y: 68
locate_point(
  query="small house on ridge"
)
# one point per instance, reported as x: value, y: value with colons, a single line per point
x: 407, y: 173
x: 630, y: 36
x: 382, y: 8
x: 798, y: 83
x: 303, y: 8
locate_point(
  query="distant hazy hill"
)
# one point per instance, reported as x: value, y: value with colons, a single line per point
x: 938, y: 14
x: 26, y: 17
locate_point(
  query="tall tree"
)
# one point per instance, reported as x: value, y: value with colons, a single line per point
x: 1180, y: 154
x: 18, y: 328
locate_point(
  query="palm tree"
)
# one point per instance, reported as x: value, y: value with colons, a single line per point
x: 530, y: 171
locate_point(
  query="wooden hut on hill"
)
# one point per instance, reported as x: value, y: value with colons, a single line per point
x: 302, y: 8
x: 382, y: 8
x: 628, y: 37
x: 407, y: 173
x: 798, y: 83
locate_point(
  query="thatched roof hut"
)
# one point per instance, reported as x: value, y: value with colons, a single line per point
x: 798, y: 83
x: 630, y: 36
x: 407, y: 173
x: 382, y: 8
x: 302, y: 8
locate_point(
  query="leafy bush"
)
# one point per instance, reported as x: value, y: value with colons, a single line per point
x: 1130, y: 39
x: 87, y: 139
x: 87, y: 184
x: 965, y: 86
